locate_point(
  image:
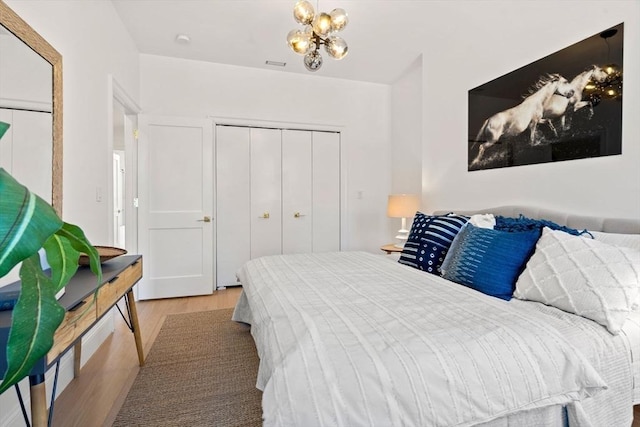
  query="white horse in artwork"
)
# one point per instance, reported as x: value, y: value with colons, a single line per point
x: 527, y: 114
x: 560, y: 106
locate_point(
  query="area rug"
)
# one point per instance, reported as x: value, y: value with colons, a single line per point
x: 200, y: 371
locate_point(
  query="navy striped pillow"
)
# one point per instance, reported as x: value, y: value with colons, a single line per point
x: 429, y: 240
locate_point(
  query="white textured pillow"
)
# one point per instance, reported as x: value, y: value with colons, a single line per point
x: 483, y: 220
x: 620, y: 240
x: 583, y: 276
x: 615, y: 239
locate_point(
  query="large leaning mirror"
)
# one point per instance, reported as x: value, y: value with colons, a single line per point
x: 31, y: 102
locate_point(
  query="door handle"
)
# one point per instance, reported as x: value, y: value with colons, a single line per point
x: 298, y: 215
x: 264, y: 215
x: 205, y: 219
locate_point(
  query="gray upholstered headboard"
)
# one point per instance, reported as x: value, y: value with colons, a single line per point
x: 609, y: 225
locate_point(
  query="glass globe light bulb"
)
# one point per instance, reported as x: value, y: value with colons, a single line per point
x: 322, y: 24
x: 303, y: 12
x: 339, y: 19
x: 313, y: 60
x: 308, y: 29
x: 336, y: 47
x: 299, y: 41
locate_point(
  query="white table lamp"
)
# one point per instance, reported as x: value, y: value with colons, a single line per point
x: 402, y: 206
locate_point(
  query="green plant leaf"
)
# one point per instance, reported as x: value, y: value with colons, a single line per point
x: 36, y: 317
x: 79, y: 242
x: 3, y: 128
x: 26, y: 222
x: 63, y: 259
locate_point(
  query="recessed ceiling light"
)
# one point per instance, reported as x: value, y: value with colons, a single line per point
x: 182, y: 39
x: 275, y: 63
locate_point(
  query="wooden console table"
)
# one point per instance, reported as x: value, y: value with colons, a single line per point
x: 85, y: 307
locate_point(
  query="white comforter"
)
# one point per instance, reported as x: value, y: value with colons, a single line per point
x: 353, y: 339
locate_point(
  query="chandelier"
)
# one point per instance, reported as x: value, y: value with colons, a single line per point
x: 318, y: 30
x: 611, y: 87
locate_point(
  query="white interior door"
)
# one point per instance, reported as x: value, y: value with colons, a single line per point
x: 266, y: 205
x: 297, y: 214
x: 326, y: 191
x: 175, y: 206
x: 233, y: 202
x: 118, y: 199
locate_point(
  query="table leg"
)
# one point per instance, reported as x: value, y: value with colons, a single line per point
x: 38, y: 392
x: 77, y: 358
x: 135, y: 325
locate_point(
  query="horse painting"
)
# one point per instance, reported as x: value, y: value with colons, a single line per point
x: 527, y: 114
x: 559, y: 106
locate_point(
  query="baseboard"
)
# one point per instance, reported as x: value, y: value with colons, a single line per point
x: 10, y: 413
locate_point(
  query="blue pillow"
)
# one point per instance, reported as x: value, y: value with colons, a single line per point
x: 429, y: 240
x: 487, y: 260
x: 522, y: 223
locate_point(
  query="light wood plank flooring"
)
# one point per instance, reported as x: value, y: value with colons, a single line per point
x: 94, y: 398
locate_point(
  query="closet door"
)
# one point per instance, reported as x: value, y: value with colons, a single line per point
x: 326, y: 191
x: 233, y: 203
x: 266, y: 200
x: 297, y: 216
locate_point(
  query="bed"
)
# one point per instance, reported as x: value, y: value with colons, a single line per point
x: 354, y: 339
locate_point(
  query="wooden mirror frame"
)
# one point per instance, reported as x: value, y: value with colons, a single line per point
x: 16, y: 25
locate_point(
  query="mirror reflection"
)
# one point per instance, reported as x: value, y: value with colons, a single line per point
x: 26, y: 150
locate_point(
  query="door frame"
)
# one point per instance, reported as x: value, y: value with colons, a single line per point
x: 131, y: 108
x: 321, y: 127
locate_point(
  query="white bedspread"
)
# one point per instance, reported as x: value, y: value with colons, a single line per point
x: 351, y: 339
x: 631, y: 329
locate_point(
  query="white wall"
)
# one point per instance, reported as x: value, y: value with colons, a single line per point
x: 406, y: 130
x: 93, y: 44
x: 181, y: 87
x: 406, y: 136
x: 490, y: 39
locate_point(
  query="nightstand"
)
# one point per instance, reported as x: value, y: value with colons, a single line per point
x: 390, y: 248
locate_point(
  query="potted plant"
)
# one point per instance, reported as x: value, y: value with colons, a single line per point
x: 27, y: 225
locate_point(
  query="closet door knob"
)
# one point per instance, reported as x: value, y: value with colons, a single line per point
x: 265, y: 215
x: 205, y: 219
x: 297, y: 215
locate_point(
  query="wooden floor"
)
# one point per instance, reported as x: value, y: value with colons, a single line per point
x: 94, y: 398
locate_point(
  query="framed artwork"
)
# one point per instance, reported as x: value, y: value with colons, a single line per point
x: 565, y: 106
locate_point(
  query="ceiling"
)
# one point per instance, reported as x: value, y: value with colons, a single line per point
x: 385, y: 37
x: 250, y: 32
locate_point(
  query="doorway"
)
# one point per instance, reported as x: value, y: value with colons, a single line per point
x: 123, y: 191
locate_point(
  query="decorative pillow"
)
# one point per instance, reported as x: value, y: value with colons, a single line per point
x: 483, y: 220
x: 429, y: 240
x: 488, y: 260
x: 582, y: 276
x: 616, y: 239
x: 623, y: 241
x: 522, y: 223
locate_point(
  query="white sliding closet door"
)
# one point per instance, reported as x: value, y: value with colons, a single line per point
x: 266, y: 205
x: 326, y: 191
x: 297, y: 215
x: 176, y: 204
x: 233, y: 202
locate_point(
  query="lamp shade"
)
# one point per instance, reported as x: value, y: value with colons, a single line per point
x: 402, y: 205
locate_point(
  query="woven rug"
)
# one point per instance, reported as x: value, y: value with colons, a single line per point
x: 200, y: 371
